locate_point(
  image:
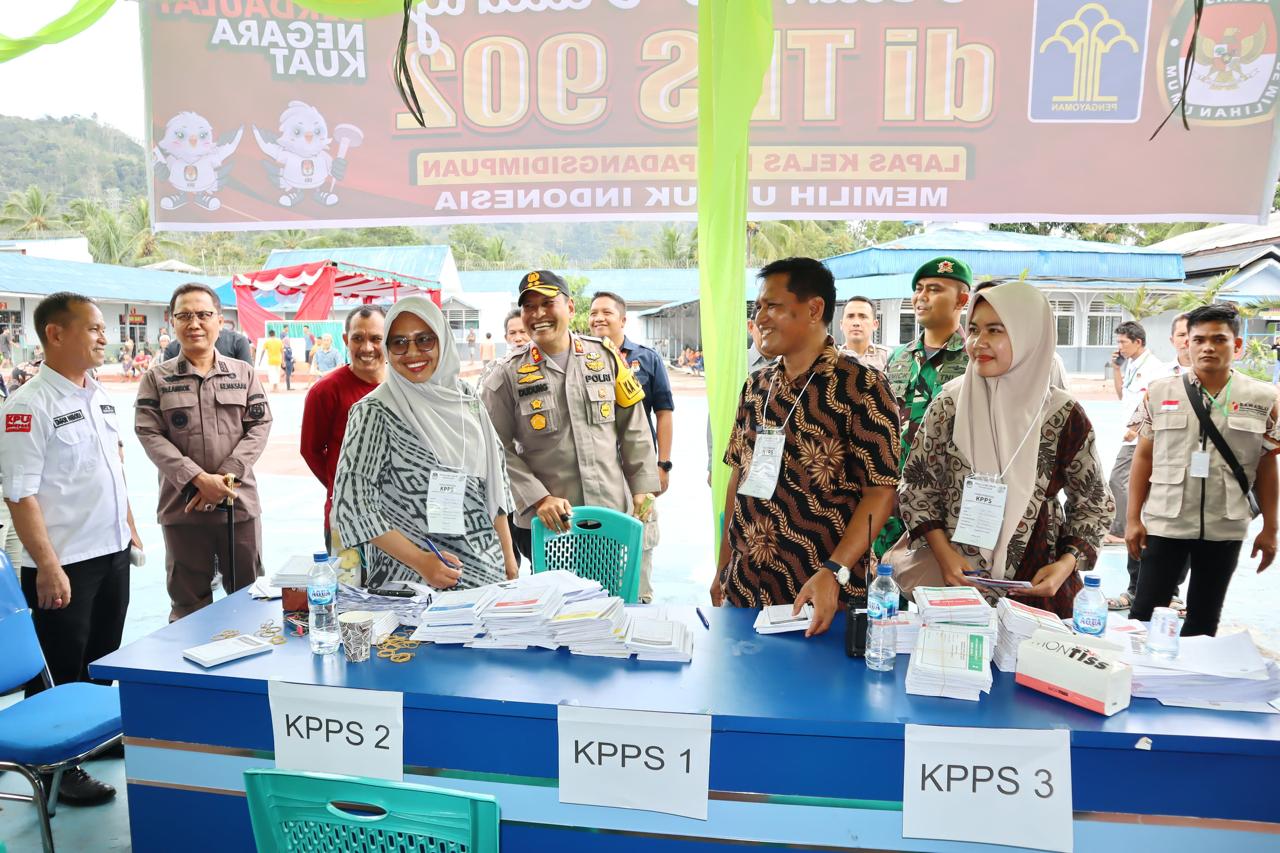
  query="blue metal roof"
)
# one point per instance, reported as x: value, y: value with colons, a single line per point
x: 1000, y: 253
x: 42, y: 276
x: 418, y: 261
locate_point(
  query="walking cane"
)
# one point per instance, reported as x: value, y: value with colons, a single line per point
x: 229, y: 505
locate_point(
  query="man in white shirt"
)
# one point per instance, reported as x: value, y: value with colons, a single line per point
x: 1135, y: 367
x: 64, y: 484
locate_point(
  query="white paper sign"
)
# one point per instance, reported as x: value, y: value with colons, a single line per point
x: 991, y: 786
x: 981, y: 513
x: 635, y: 760
x: 338, y: 730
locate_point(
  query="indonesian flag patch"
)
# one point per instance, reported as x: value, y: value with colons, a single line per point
x: 1168, y: 405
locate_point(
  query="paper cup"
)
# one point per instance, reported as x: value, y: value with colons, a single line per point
x: 356, y: 630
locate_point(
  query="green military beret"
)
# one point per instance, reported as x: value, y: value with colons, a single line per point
x: 945, y: 267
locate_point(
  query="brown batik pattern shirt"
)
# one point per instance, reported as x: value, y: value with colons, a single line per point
x: 842, y: 439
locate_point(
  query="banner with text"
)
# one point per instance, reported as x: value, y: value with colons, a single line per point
x: 265, y: 115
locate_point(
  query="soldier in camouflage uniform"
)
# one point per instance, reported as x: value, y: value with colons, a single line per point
x: 918, y: 370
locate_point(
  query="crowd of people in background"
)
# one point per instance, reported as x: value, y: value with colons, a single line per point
x: 838, y: 455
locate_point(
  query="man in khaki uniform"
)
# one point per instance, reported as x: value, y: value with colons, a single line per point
x: 1186, y: 499
x: 565, y: 408
x: 203, y: 417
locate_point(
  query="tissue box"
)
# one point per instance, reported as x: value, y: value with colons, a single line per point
x: 1080, y: 670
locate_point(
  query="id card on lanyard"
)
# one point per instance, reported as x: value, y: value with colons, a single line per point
x: 981, y: 512
x: 766, y: 457
x: 446, y: 491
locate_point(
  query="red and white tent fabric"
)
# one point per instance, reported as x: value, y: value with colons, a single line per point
x: 320, y: 283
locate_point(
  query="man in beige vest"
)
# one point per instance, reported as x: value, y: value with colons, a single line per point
x: 1185, y: 500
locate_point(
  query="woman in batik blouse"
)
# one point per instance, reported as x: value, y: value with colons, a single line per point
x: 1002, y: 420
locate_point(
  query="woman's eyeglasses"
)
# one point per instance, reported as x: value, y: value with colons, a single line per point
x: 399, y: 345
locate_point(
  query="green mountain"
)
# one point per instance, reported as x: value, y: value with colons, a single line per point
x: 71, y: 157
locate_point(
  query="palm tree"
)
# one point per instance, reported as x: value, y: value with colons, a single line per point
x: 1190, y: 301
x: 553, y: 261
x: 81, y: 213
x: 32, y: 211
x: 145, y: 243
x: 289, y: 239
x: 1139, y: 304
x: 671, y: 248
x: 620, y: 258
x: 499, y: 254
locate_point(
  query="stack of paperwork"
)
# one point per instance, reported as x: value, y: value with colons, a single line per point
x: 520, y: 616
x: 777, y: 619
x: 453, y: 617
x: 1017, y: 622
x: 954, y: 605
x: 595, y: 627
x: 950, y: 661
x: 293, y: 573
x: 660, y: 640
x: 1207, y: 672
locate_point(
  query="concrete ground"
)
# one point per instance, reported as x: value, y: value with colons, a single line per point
x: 293, y: 504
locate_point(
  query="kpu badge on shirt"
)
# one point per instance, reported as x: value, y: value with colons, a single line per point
x: 766, y: 464
x: 981, y: 512
x: 445, y: 493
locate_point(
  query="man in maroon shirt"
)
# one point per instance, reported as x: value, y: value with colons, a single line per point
x: 324, y: 414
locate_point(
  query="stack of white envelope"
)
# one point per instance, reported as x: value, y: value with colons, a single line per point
x: 1017, y: 622
x: 453, y: 617
x: 777, y: 619
x: 659, y: 639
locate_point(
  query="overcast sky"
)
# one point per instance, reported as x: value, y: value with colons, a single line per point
x: 98, y: 71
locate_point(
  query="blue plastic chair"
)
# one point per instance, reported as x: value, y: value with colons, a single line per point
x: 53, y: 730
x: 301, y: 812
x: 602, y: 544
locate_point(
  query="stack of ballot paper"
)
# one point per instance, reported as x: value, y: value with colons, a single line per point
x: 1017, y: 622
x: 1225, y: 669
x: 453, y: 617
x: 777, y: 619
x: 519, y: 616
x: 950, y: 662
x: 954, y: 605
x: 595, y: 626
x: 907, y: 624
x: 660, y: 639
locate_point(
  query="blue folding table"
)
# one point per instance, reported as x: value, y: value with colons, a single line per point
x: 806, y: 749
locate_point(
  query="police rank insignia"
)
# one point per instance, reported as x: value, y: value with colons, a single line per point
x: 538, y: 421
x: 595, y: 364
x: 531, y: 377
x: 527, y: 368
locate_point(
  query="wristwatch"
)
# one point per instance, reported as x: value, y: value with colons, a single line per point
x: 842, y: 572
x: 665, y: 466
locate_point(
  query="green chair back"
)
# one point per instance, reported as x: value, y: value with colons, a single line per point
x: 304, y: 812
x: 602, y: 544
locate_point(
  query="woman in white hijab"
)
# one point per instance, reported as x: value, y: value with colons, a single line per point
x: 421, y: 464
x: 1002, y: 430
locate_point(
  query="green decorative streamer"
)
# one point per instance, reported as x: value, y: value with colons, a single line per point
x: 80, y: 17
x: 735, y: 44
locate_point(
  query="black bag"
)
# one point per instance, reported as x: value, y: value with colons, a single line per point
x: 1224, y: 450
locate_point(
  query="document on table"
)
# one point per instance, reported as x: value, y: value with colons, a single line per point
x: 1228, y: 656
x: 1272, y: 707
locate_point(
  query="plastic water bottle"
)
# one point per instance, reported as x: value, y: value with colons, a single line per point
x: 1089, y: 612
x: 322, y: 605
x: 882, y: 610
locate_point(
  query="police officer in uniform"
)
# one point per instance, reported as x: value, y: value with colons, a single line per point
x: 565, y: 408
x: 204, y: 421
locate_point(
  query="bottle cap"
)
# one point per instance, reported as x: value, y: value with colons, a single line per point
x: 320, y: 557
x: 884, y: 569
x: 1092, y: 580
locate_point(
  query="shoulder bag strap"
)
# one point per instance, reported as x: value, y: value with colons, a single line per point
x: 1194, y: 394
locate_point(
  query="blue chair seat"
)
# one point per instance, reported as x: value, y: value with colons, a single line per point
x: 59, y: 723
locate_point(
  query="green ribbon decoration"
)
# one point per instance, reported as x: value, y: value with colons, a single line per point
x: 81, y: 16
x: 735, y: 45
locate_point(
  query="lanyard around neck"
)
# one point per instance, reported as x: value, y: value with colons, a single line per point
x: 769, y: 400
